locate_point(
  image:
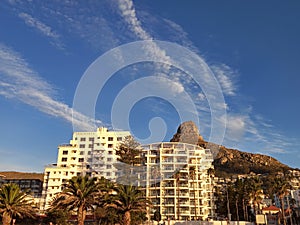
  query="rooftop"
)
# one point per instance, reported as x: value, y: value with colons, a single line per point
x: 12, y: 175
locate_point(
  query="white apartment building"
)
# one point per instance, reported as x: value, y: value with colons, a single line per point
x: 91, y: 153
x: 295, y: 194
x: 178, y: 181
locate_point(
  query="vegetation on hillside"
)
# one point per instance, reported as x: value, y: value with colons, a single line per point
x: 229, y: 162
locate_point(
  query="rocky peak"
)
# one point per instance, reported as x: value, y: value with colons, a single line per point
x: 187, y: 132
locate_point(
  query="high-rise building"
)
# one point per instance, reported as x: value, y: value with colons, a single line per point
x: 178, y: 181
x: 88, y: 153
x: 175, y: 176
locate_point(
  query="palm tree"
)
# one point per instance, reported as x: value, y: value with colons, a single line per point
x: 80, y: 195
x: 243, y: 186
x: 255, y: 192
x: 282, y: 187
x: 128, y: 199
x: 104, y: 197
x: 14, y: 203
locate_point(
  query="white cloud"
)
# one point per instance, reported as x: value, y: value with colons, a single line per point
x: 253, y: 134
x: 171, y: 86
x: 225, y: 77
x: 18, y: 81
x: 201, y: 96
x: 42, y: 28
x: 128, y: 12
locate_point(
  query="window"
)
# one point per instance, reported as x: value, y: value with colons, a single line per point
x: 81, y: 153
x: 64, y: 159
x: 89, y: 152
x: 91, y: 139
x: 65, y: 152
x: 82, y: 139
x: 73, y: 158
x: 82, y: 146
x: 109, y: 159
x: 110, y: 145
x: 108, y: 174
x: 119, y: 138
x: 110, y: 152
x: 110, y: 138
x: 108, y: 167
x: 81, y: 160
x: 90, y: 145
x: 64, y: 165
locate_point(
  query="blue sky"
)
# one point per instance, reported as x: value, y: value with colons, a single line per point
x: 46, y: 47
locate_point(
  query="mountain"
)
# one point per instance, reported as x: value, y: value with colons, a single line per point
x: 228, y: 162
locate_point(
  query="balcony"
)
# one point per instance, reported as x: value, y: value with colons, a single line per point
x: 170, y: 193
x: 184, y: 212
x: 168, y: 185
x: 181, y: 203
x: 168, y: 152
x: 169, y: 202
x: 168, y: 168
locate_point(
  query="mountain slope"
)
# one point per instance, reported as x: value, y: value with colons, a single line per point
x: 228, y: 162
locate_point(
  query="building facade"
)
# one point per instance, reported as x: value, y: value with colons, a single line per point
x: 31, y: 183
x: 178, y: 181
x: 88, y: 153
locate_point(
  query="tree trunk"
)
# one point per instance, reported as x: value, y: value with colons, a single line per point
x: 81, y: 215
x: 126, y: 218
x: 282, y: 208
x: 6, y: 219
x: 237, y: 210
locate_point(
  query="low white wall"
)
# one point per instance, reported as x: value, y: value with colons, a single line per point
x: 209, y: 223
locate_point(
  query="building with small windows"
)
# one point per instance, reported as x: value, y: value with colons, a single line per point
x: 31, y: 183
x: 178, y: 181
x: 88, y: 153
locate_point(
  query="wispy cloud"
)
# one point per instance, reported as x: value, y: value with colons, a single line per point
x: 42, y: 28
x: 254, y: 134
x: 19, y: 81
x: 129, y: 14
x: 226, y: 78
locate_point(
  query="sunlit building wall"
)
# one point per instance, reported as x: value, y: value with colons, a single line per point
x: 88, y: 153
x: 178, y: 181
